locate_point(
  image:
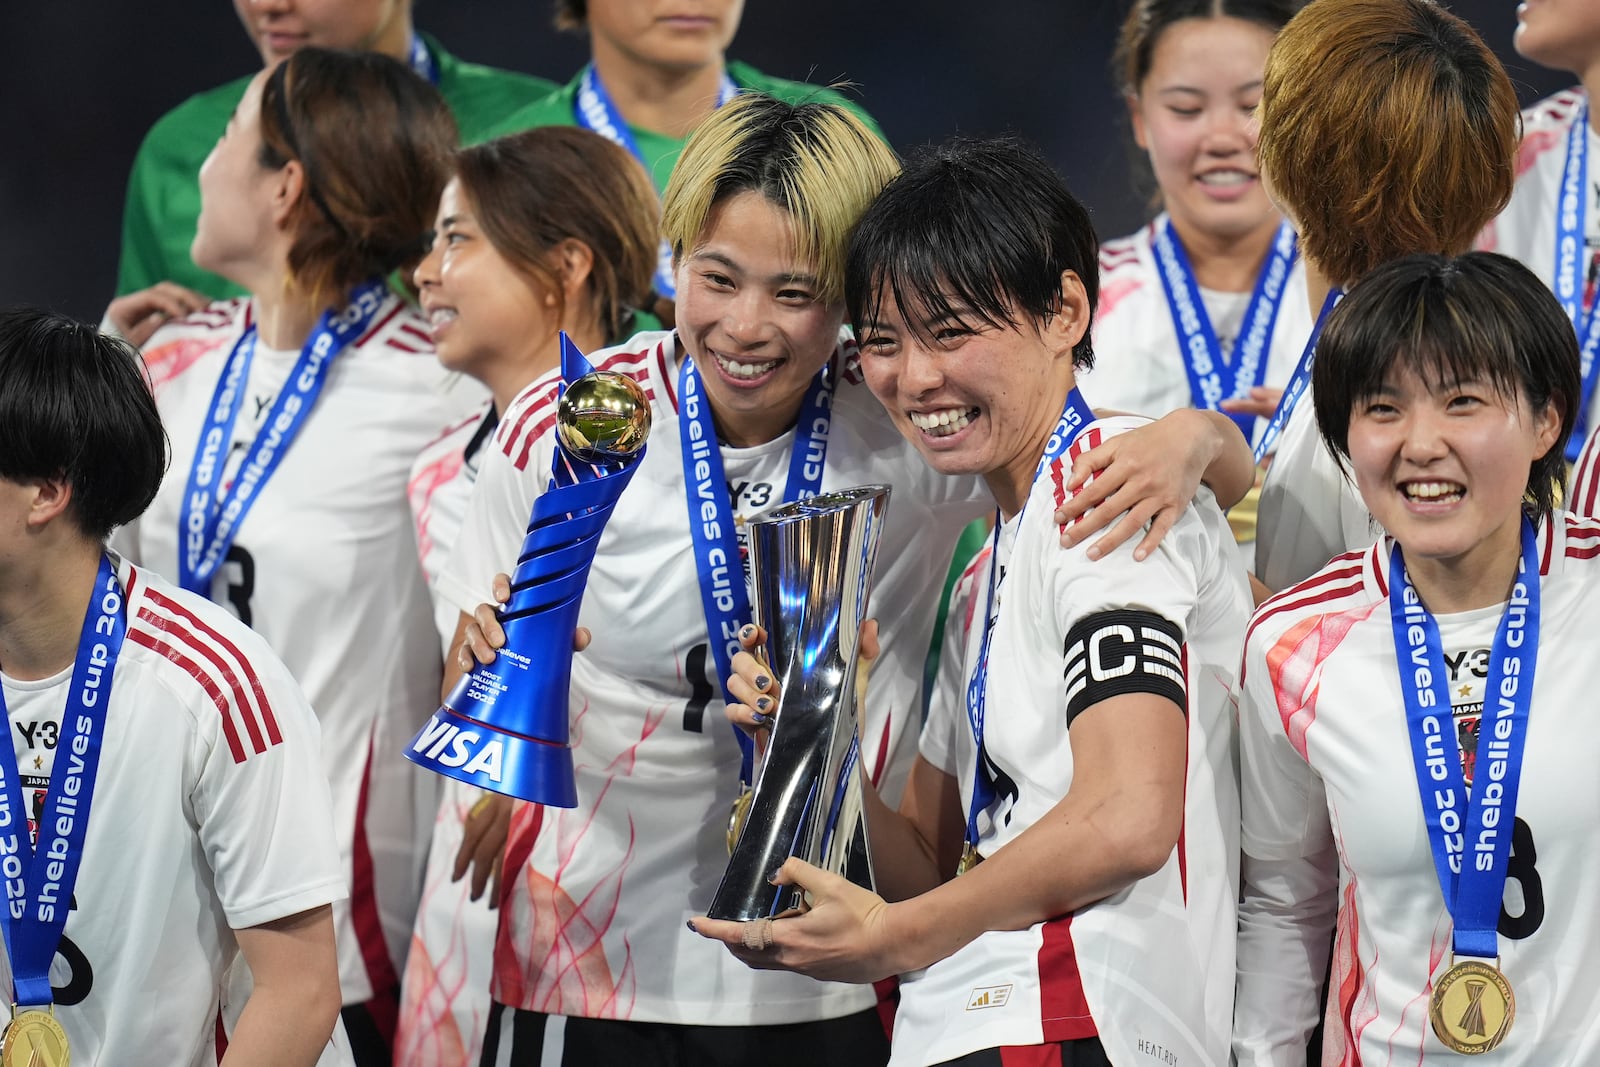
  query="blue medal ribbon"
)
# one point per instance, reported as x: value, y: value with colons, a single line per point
x: 723, y: 594
x: 1298, y: 382
x: 422, y: 62
x: 1075, y: 415
x: 210, y: 516
x: 595, y: 111
x: 37, y: 903
x: 1470, y: 841
x: 1568, y: 279
x: 1213, y: 379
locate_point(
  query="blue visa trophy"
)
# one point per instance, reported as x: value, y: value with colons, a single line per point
x: 504, y: 727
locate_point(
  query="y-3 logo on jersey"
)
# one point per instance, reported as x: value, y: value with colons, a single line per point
x: 751, y: 495
x: 38, y: 734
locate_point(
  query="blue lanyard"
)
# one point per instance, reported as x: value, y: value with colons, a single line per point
x: 1075, y: 415
x: 595, y: 110
x: 1298, y: 381
x: 1211, y: 378
x: 36, y: 906
x: 1470, y: 841
x: 211, y: 515
x: 723, y: 595
x: 422, y: 62
x: 1571, y: 212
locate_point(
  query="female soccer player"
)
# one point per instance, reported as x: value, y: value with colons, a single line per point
x: 549, y: 230
x: 1358, y: 73
x: 1078, y: 756
x: 163, y: 200
x: 593, y: 957
x: 295, y: 416
x: 1205, y: 306
x: 162, y: 784
x: 652, y: 77
x: 1553, y: 221
x: 1387, y: 702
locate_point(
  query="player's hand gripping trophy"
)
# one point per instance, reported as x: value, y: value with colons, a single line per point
x: 811, y: 569
x: 505, y: 725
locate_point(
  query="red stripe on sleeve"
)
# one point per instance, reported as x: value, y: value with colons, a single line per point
x: 262, y: 707
x: 189, y: 667
x: 1315, y: 591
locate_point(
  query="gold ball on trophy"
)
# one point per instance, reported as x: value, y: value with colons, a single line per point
x: 603, y: 417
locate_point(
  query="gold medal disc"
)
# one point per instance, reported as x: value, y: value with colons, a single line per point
x: 969, y: 860
x: 34, y: 1039
x: 1472, y: 1007
x: 736, y: 817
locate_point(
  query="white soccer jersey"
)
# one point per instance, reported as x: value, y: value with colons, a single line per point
x: 1149, y: 969
x: 1310, y: 509
x: 444, y: 993
x: 1583, y: 488
x: 1333, y: 824
x: 1526, y: 229
x: 209, y: 768
x: 1139, y: 364
x: 439, y: 488
x: 596, y: 898
x: 325, y: 568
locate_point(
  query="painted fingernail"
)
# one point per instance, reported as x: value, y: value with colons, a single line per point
x: 762, y: 681
x: 763, y: 703
x: 773, y: 877
x: 748, y: 632
x: 759, y: 719
x: 690, y: 924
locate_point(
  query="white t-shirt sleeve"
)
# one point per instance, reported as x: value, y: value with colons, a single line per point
x: 1165, y: 583
x: 1290, y: 876
x: 265, y: 820
x: 496, y: 521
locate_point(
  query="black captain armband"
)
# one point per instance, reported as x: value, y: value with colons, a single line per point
x: 1125, y: 651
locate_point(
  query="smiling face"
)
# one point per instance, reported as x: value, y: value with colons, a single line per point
x: 674, y: 34
x: 1193, y: 116
x: 486, y: 315
x: 279, y: 28
x: 1444, y: 467
x: 975, y: 398
x: 750, y: 316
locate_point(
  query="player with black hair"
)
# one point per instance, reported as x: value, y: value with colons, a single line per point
x: 160, y: 754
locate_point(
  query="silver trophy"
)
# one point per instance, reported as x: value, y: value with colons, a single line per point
x: 811, y: 568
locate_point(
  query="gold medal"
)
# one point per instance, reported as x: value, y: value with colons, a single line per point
x: 34, y: 1039
x: 1472, y: 1007
x: 736, y: 817
x: 969, y: 860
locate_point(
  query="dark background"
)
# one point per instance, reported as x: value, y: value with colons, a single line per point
x: 81, y: 81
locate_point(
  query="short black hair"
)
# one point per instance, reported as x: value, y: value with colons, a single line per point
x: 1478, y: 316
x: 984, y: 225
x: 75, y: 405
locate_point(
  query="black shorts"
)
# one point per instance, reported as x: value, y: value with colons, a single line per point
x: 1084, y: 1052
x: 370, y: 1026
x: 520, y: 1038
